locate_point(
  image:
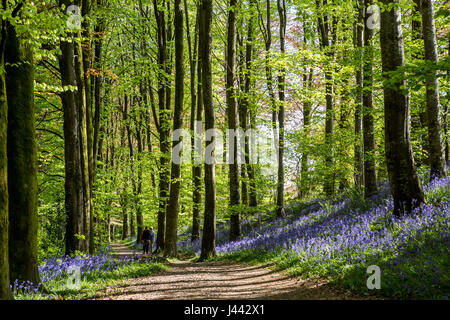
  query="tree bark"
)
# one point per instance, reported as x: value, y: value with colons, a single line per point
x: 404, y: 182
x: 209, y: 228
x: 370, y: 178
x: 437, y: 161
x: 5, y: 291
x: 359, y: 45
x: 326, y: 44
x: 249, y: 168
x: 164, y: 123
x: 173, y: 207
x: 281, y: 96
x: 197, y: 131
x: 22, y: 158
x: 233, y: 174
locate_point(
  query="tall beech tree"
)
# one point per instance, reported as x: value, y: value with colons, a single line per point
x: 163, y: 123
x: 359, y: 43
x: 327, y: 44
x: 77, y: 183
x: 209, y: 227
x: 405, y: 185
x: 22, y: 153
x: 281, y: 5
x: 232, y: 122
x: 5, y: 292
x: 370, y: 178
x: 173, y: 207
x: 436, y: 156
x: 250, y: 109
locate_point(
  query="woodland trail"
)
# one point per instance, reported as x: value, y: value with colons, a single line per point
x: 219, y: 280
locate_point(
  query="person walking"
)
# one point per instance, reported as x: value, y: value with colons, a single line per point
x: 152, y: 238
x: 146, y: 238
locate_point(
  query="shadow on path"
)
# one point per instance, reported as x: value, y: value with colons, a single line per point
x: 218, y: 280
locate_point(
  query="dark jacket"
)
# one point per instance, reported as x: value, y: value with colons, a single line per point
x: 146, y: 235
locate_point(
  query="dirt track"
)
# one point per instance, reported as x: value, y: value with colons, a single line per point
x: 221, y: 280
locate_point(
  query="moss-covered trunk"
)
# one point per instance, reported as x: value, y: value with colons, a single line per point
x: 5, y: 292
x: 22, y: 158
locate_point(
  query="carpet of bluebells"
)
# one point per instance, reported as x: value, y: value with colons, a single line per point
x: 58, y: 274
x: 340, y: 240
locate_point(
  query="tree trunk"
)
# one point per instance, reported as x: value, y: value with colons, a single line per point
x: 437, y: 162
x: 197, y: 157
x: 370, y: 178
x: 324, y: 27
x: 281, y: 96
x: 249, y: 168
x: 405, y: 185
x: 267, y: 33
x: 235, y: 224
x: 209, y: 227
x: 358, y: 42
x: 307, y: 112
x: 5, y: 292
x: 164, y: 124
x: 243, y: 118
x: 173, y: 207
x: 22, y: 159
x: 74, y: 199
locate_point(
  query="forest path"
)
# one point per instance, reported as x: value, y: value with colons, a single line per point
x: 218, y: 280
x: 120, y: 249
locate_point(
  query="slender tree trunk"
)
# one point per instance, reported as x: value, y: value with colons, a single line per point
x: 22, y: 158
x: 209, y: 228
x: 74, y: 199
x: 359, y: 43
x: 173, y: 207
x: 243, y: 119
x: 249, y: 168
x: 86, y: 54
x: 98, y: 48
x: 405, y: 184
x: 235, y: 224
x: 437, y: 161
x: 267, y: 33
x: 164, y: 123
x: 196, y: 128
x: 370, y: 178
x: 307, y: 111
x: 445, y: 118
x: 281, y: 96
x: 324, y: 28
x: 419, y: 118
